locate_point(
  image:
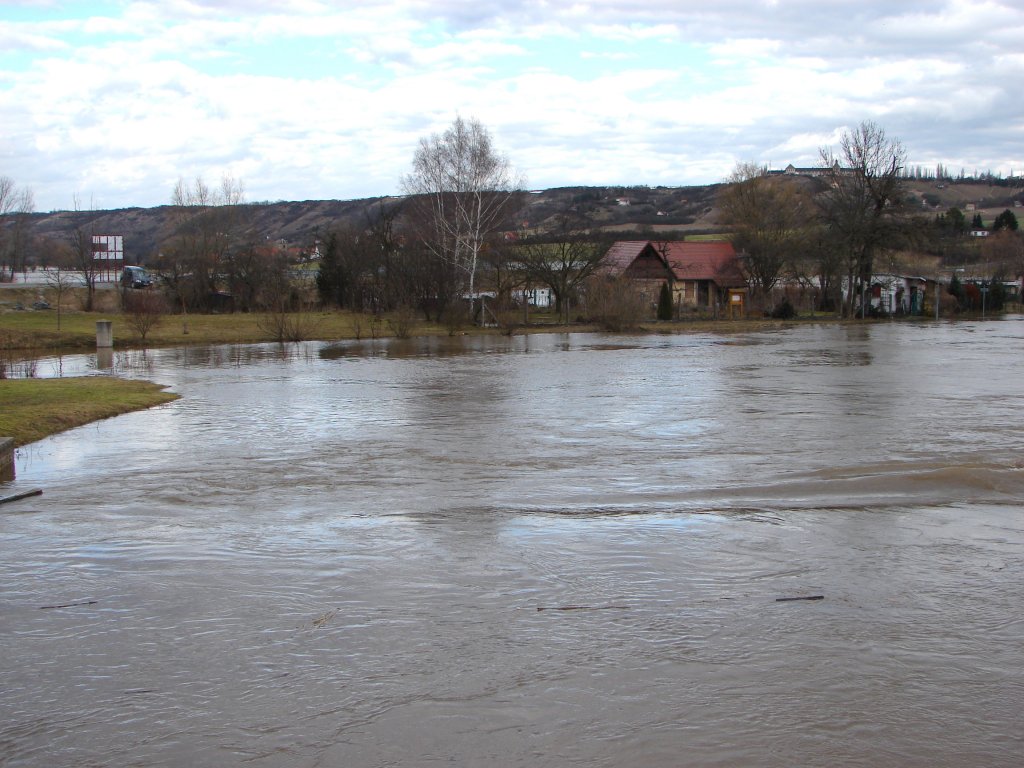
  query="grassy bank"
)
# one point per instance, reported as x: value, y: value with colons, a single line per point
x: 37, y: 330
x: 35, y: 408
x: 35, y: 333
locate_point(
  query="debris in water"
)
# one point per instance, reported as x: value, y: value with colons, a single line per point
x: 20, y: 496
x: 808, y: 597
x: 67, y: 605
x: 585, y: 608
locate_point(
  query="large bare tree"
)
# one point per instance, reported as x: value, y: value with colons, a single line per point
x: 205, y: 224
x: 467, y: 189
x: 564, y: 258
x: 15, y: 206
x: 83, y: 254
x: 863, y: 208
x: 768, y: 216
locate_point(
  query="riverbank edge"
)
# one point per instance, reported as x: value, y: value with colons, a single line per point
x: 25, y: 338
x: 35, y: 409
x: 59, y: 422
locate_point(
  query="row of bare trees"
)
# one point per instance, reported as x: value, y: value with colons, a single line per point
x: 832, y: 232
x: 16, y: 204
x: 455, y: 236
x: 828, y: 231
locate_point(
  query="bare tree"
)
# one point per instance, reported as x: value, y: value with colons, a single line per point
x: 467, y: 188
x: 1003, y: 252
x: 564, y: 258
x: 83, y: 258
x: 768, y: 216
x: 863, y: 207
x: 60, y: 280
x: 205, y: 225
x: 614, y: 303
x: 15, y: 207
x: 144, y: 310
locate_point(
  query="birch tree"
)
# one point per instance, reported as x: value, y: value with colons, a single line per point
x: 466, y: 188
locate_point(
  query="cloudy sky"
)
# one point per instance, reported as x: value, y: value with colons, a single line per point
x: 112, y: 102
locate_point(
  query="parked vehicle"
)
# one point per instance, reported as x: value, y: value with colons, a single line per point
x: 135, y: 277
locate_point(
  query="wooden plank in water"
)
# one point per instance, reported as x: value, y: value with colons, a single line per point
x: 20, y: 496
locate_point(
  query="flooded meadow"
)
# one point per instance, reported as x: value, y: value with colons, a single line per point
x: 548, y: 550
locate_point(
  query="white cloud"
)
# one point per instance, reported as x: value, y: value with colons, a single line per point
x: 313, y: 99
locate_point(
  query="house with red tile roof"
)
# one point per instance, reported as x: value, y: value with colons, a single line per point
x: 700, y: 274
x: 703, y: 272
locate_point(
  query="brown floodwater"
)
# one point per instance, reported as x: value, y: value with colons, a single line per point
x: 532, y: 551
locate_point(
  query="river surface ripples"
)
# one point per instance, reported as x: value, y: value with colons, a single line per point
x: 531, y: 551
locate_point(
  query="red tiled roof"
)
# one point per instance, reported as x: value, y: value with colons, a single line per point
x: 621, y: 255
x: 714, y: 260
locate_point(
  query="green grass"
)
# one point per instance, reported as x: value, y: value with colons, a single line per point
x: 31, y: 409
x: 35, y: 332
x: 708, y: 238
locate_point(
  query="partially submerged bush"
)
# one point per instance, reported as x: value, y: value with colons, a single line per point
x: 784, y: 310
x: 616, y: 305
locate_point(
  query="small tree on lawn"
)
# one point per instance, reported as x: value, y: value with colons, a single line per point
x: 60, y: 280
x: 144, y: 311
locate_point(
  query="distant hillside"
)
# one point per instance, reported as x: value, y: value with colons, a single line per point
x: 633, y: 211
x: 144, y: 229
x: 295, y: 223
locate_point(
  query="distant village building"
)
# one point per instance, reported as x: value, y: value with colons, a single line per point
x: 898, y: 294
x: 814, y: 172
x: 534, y: 297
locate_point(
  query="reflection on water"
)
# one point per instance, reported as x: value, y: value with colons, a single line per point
x: 335, y: 555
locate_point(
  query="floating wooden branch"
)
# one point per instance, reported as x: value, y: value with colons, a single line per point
x: 67, y: 605
x: 20, y: 496
x: 790, y: 599
x: 585, y: 608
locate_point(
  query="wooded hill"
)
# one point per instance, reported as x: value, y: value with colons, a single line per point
x: 667, y: 212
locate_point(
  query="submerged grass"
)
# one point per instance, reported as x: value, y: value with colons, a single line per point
x: 31, y: 409
x: 37, y: 330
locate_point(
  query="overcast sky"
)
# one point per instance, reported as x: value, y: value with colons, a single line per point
x: 112, y: 102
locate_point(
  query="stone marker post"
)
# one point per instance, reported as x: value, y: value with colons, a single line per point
x: 104, y: 334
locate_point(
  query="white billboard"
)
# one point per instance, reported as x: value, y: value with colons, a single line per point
x: 108, y: 247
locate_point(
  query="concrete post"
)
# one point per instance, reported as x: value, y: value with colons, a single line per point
x: 104, y: 334
x: 6, y: 458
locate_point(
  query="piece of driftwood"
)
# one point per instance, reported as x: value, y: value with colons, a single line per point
x: 585, y: 608
x: 67, y: 605
x: 20, y: 496
x: 807, y: 597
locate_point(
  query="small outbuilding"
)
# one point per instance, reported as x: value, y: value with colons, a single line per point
x: 640, y: 262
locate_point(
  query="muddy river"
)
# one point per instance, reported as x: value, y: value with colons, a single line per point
x: 538, y: 551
